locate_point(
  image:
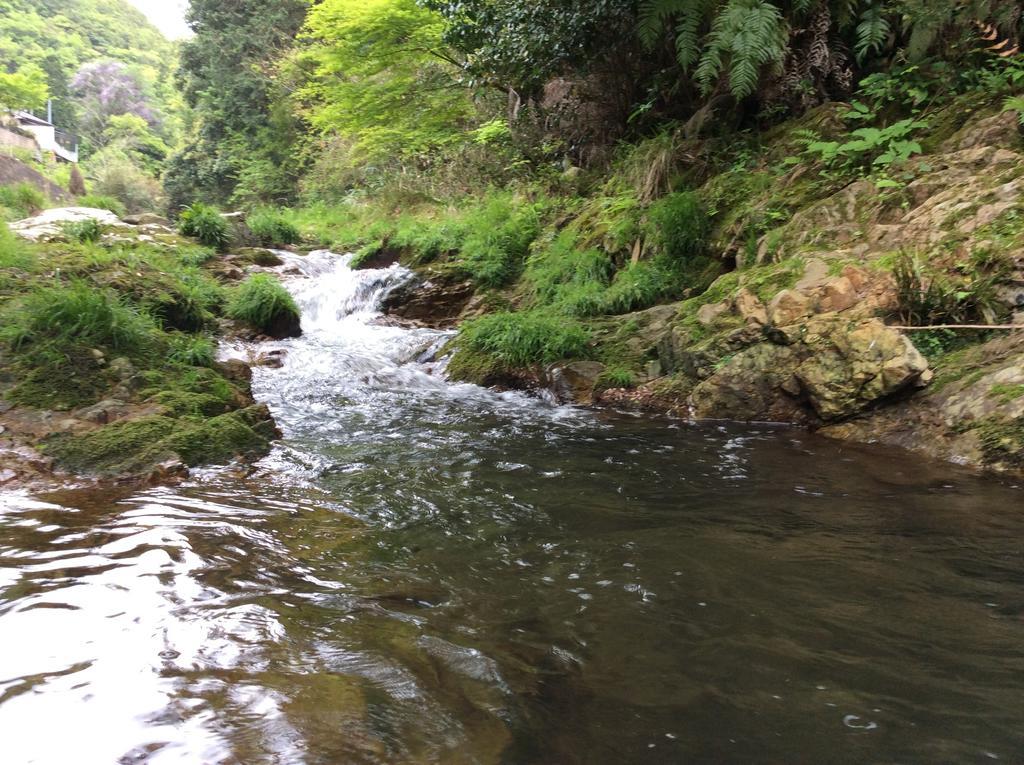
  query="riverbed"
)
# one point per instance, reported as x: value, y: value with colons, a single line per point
x: 429, y: 572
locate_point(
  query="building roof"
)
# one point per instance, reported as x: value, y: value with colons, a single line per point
x: 30, y: 119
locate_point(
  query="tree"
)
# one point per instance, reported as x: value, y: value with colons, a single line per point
x: 383, y: 77
x: 520, y: 46
x: 227, y: 75
x: 24, y: 88
x: 105, y: 89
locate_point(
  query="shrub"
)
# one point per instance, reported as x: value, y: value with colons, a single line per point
x: 128, y: 183
x: 23, y: 199
x: 99, y: 202
x: 929, y: 295
x: 205, y: 224
x: 519, y: 339
x: 88, y: 231
x: 679, y: 226
x: 272, y: 228
x: 261, y: 301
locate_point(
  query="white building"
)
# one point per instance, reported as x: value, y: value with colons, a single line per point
x: 50, y: 139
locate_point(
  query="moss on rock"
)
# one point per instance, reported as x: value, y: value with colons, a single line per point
x: 136, y: 446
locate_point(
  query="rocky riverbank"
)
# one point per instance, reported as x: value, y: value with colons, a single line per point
x: 810, y: 327
x: 108, y: 368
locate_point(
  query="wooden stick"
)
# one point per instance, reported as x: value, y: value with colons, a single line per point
x: 960, y: 326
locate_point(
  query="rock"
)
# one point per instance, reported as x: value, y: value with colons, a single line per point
x: 575, y: 381
x: 866, y: 364
x: 235, y: 370
x: 750, y: 387
x: 1001, y: 130
x: 146, y: 219
x: 789, y: 307
x: 284, y: 325
x: 6, y: 476
x: 122, y: 368
x: 838, y: 295
x: 104, y: 412
x: 272, y: 359
x: 708, y: 314
x: 815, y: 275
x: 50, y: 223
x: 428, y: 303
x: 750, y: 308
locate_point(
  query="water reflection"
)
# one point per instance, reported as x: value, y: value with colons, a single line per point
x: 426, y: 573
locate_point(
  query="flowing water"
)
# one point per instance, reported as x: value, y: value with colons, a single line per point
x: 425, y: 572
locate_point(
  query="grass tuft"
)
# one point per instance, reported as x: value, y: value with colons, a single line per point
x: 261, y: 301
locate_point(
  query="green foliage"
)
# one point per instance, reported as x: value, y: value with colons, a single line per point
x: 205, y: 224
x: 78, y: 314
x: 1015, y: 104
x: 498, y: 238
x: 25, y: 88
x: 87, y: 231
x: 192, y: 351
x: 13, y: 254
x: 381, y: 77
x: 241, y: 147
x: 23, y: 199
x: 871, y: 146
x: 100, y: 202
x: 679, y: 226
x: 931, y: 294
x: 521, y: 339
x: 273, y: 228
x: 261, y: 301
x: 615, y: 377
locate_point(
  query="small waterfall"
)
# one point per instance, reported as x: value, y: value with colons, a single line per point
x: 352, y: 372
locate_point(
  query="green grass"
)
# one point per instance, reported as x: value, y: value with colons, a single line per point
x: 205, y: 224
x: 78, y: 313
x: 524, y: 338
x: 101, y: 202
x: 21, y: 200
x: 261, y: 301
x: 84, y: 231
x: 273, y: 228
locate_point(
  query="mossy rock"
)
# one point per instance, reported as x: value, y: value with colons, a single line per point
x: 133, y: 447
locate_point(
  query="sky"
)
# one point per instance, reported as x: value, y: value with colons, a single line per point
x: 167, y: 15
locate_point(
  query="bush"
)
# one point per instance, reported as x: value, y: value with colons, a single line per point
x: 261, y: 301
x: 205, y: 224
x: 520, y: 339
x: 88, y: 231
x: 930, y: 295
x: 131, y: 185
x: 679, y: 226
x: 272, y: 228
x: 23, y: 199
x: 99, y: 202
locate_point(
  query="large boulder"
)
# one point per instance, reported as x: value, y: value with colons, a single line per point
x: 50, y: 223
x: 859, y: 367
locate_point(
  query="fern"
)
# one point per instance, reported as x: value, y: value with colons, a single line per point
x: 872, y: 32
x: 750, y: 34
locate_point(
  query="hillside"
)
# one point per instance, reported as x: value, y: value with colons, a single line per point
x: 60, y: 36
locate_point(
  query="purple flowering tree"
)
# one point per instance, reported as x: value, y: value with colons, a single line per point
x: 104, y: 89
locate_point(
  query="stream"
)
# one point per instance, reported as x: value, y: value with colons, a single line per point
x: 429, y: 572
